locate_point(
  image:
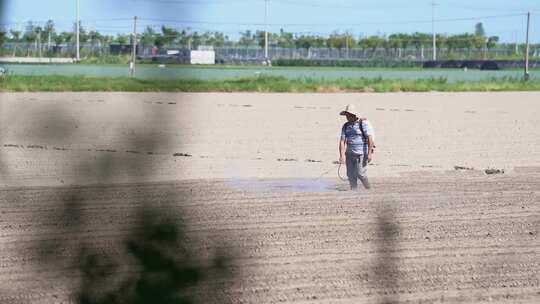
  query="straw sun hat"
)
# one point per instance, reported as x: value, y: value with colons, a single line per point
x: 351, y: 109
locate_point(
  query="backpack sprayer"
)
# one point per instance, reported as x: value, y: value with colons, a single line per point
x: 350, y: 109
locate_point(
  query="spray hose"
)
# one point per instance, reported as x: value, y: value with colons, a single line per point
x: 339, y: 173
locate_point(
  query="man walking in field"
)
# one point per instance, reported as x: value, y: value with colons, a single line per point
x: 356, y: 147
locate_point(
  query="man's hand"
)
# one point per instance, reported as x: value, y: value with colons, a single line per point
x: 342, y: 159
x: 369, y: 157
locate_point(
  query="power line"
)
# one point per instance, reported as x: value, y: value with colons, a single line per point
x: 108, y: 20
x: 109, y: 27
x: 291, y: 2
x: 91, y: 21
x: 335, y: 24
x: 476, y: 8
x: 63, y: 21
x: 199, y: 22
x: 188, y: 2
x: 335, y: 6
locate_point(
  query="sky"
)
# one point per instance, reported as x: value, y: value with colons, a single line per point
x: 504, y: 18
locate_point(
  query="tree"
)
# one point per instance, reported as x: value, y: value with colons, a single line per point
x: 94, y: 37
x: 15, y: 35
x: 307, y: 42
x: 373, y: 42
x: 396, y: 41
x: 83, y: 36
x: 3, y: 38
x: 122, y: 39
x: 107, y: 39
x: 59, y: 39
x: 29, y: 33
x: 216, y: 39
x: 38, y: 30
x: 169, y: 34
x: 184, y: 38
x: 48, y: 30
x: 159, y: 41
x: 333, y: 41
x: 477, y: 41
x: 64, y: 37
x: 492, y: 41
x: 419, y: 40
x: 350, y: 42
x: 260, y: 38
x: 196, y: 39
x: 461, y: 41
x: 441, y: 41
x: 246, y: 38
x: 148, y: 37
x: 339, y: 41
x: 220, y: 39
x: 287, y: 40
x: 479, y: 29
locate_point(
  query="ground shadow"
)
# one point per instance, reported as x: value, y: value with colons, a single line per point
x: 386, y: 264
x: 168, y: 270
x: 145, y: 255
x: 152, y: 260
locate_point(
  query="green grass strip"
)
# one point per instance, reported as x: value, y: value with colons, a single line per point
x: 263, y: 83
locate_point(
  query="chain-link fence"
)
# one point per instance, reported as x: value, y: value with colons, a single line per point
x: 232, y: 55
x: 243, y: 55
x: 22, y: 49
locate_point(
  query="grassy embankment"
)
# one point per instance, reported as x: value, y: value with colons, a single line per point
x: 16, y: 83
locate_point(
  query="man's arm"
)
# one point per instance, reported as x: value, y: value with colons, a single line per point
x: 342, y: 146
x: 370, y: 148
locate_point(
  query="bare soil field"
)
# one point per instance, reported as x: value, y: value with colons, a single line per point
x: 62, y: 138
x: 234, y: 198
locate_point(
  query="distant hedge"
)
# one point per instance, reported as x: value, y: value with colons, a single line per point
x: 479, y: 64
x: 347, y: 63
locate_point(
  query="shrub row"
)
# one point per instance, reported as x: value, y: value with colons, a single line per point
x: 480, y: 64
x: 347, y: 63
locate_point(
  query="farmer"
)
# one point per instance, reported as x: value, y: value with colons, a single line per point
x: 356, y: 147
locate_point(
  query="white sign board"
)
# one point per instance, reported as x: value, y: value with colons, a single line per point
x: 203, y: 57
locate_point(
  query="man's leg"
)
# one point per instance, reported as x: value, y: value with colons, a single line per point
x: 362, y: 171
x: 352, y: 162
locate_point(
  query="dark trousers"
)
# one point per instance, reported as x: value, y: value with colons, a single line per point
x: 357, y: 169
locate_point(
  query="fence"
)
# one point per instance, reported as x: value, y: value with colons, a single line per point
x: 233, y: 55
x: 69, y: 50
x: 52, y: 50
x: 243, y: 55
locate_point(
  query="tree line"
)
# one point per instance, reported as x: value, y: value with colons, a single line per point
x: 168, y: 36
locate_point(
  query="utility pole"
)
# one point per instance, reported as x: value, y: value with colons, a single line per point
x: 49, y: 38
x: 39, y: 43
x: 347, y: 44
x: 266, y: 30
x: 527, y: 46
x: 78, y: 29
x: 485, y: 48
x: 133, y: 47
x: 433, y: 30
x: 516, y: 46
